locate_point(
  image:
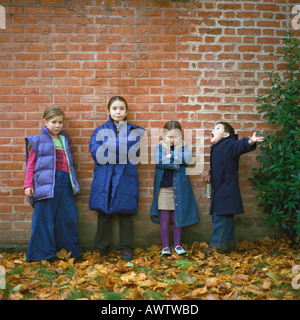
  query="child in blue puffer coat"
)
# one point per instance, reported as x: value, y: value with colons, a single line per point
x: 50, y: 184
x: 114, y: 147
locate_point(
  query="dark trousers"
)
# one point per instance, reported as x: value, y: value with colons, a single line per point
x: 103, y: 234
x: 54, y: 223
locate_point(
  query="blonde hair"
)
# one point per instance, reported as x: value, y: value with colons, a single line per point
x: 53, y: 112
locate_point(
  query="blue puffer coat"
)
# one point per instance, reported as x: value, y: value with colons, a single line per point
x: 115, y: 187
x: 224, y: 167
x: 44, y: 173
x: 186, y: 212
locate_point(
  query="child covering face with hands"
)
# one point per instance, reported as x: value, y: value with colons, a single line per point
x: 173, y: 198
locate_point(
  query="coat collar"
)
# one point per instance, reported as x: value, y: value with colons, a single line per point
x: 45, y: 130
x: 231, y: 137
x: 111, y: 124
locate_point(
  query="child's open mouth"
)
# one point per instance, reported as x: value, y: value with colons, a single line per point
x: 211, y: 136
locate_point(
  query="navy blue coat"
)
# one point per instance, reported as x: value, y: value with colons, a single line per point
x: 115, y: 187
x: 44, y: 172
x: 224, y: 167
x: 186, y: 212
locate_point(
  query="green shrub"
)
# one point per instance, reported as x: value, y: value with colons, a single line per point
x: 277, y: 180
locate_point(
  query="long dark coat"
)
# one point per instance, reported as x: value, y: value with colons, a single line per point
x: 186, y: 212
x: 115, y: 187
x: 224, y: 168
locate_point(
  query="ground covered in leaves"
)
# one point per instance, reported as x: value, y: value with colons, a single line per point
x: 260, y: 270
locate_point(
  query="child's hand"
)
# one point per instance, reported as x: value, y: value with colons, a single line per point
x: 253, y: 139
x: 29, y: 192
x: 206, y: 176
x: 168, y: 156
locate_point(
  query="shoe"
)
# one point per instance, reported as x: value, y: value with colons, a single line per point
x: 179, y: 250
x: 127, y: 256
x: 166, y: 251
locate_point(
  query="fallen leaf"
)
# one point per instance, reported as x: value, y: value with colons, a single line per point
x: 63, y: 254
x: 266, y: 284
x: 212, y: 282
x: 199, y: 291
x: 262, y: 270
x: 63, y: 264
x: 129, y: 276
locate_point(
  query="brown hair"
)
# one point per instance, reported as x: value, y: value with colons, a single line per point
x: 172, y: 124
x: 53, y: 112
x: 116, y: 98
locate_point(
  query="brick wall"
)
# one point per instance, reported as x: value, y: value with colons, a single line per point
x: 194, y: 61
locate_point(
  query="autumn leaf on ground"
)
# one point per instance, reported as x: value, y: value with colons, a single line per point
x: 63, y: 254
x: 266, y: 269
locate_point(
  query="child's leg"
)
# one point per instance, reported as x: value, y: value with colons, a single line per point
x: 223, y: 232
x: 125, y: 233
x: 66, y: 215
x: 42, y: 244
x: 103, y: 234
x: 231, y: 233
x: 176, y: 231
x: 165, y: 216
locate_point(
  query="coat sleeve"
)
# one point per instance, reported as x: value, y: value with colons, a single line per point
x: 239, y: 147
x: 95, y: 144
x: 164, y: 162
x: 182, y: 156
x: 29, y: 173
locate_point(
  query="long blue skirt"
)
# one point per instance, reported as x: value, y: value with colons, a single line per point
x: 54, y: 223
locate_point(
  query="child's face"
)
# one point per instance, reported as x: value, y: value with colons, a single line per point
x: 54, y: 125
x: 173, y: 137
x: 117, y: 111
x: 218, y: 133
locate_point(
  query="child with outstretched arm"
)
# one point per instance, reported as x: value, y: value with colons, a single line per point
x: 226, y: 198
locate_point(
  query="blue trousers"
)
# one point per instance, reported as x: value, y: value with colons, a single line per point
x: 54, y: 223
x: 222, y: 236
